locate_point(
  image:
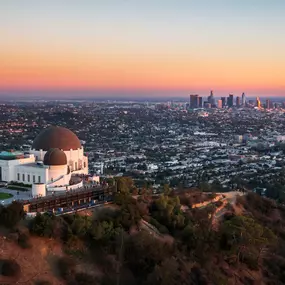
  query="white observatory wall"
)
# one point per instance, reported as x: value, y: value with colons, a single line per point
x: 56, y: 173
x: 8, y: 167
x: 36, y: 174
x: 39, y: 190
x: 75, y: 159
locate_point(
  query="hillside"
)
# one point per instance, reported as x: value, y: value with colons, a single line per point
x: 149, y: 240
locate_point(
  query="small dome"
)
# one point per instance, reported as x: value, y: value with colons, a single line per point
x: 56, y: 137
x: 55, y: 156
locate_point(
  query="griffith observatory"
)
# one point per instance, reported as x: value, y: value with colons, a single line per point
x: 52, y: 163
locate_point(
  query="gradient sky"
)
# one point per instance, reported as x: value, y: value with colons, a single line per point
x: 136, y: 47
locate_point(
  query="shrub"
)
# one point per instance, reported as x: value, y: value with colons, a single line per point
x: 250, y: 260
x: 24, y: 241
x: 65, y: 267
x: 11, y: 215
x: 9, y: 268
x: 18, y: 188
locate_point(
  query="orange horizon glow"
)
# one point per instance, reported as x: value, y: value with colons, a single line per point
x: 29, y: 71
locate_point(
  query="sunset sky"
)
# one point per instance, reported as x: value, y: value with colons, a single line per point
x: 142, y: 47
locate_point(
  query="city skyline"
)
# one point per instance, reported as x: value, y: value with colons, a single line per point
x: 142, y: 49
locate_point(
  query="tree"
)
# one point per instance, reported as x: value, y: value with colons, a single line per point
x: 12, y: 214
x: 167, y: 273
x: 80, y: 225
x: 167, y: 211
x: 124, y: 184
x: 143, y: 253
x: 104, y: 231
x: 243, y: 235
x: 166, y: 189
x: 43, y: 225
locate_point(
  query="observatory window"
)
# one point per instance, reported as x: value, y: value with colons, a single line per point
x: 23, y: 176
x: 34, y: 178
x: 28, y: 177
x: 75, y: 165
x: 39, y: 179
x: 84, y: 164
x: 18, y: 176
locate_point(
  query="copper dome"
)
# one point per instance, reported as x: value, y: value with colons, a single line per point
x: 55, y: 156
x: 56, y: 137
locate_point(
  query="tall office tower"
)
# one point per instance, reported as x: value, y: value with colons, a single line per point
x: 258, y: 103
x: 220, y: 104
x: 237, y: 101
x: 211, y: 99
x: 200, y: 102
x: 223, y: 102
x: 243, y: 99
x: 231, y: 100
x: 194, y: 101
x: 268, y: 105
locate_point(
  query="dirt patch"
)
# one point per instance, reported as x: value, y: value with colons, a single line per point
x: 33, y: 261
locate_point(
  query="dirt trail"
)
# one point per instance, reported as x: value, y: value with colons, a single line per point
x: 230, y: 198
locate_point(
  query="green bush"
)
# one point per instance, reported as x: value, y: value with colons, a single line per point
x: 18, y: 188
x: 15, y: 183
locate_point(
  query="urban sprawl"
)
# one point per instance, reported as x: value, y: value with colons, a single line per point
x: 215, y: 144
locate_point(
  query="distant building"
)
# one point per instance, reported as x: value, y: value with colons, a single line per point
x: 238, y: 101
x: 267, y: 105
x: 200, y: 102
x: 223, y: 102
x: 258, y: 102
x: 280, y: 138
x: 211, y: 99
x: 230, y: 101
x: 239, y: 139
x: 243, y: 100
x: 246, y: 137
x: 220, y: 104
x: 194, y: 101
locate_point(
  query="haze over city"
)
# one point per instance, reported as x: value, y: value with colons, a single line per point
x: 139, y: 49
